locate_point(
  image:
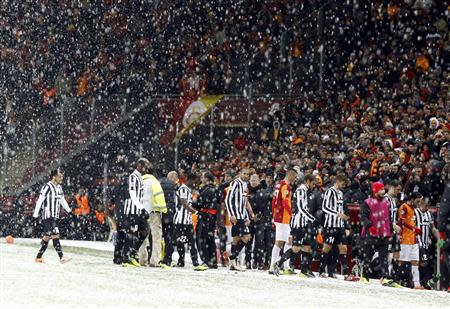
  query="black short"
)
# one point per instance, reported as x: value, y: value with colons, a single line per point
x: 134, y: 224
x: 303, y: 236
x: 50, y: 226
x: 333, y: 236
x: 239, y: 229
x: 394, y: 245
x: 183, y: 232
x: 425, y: 254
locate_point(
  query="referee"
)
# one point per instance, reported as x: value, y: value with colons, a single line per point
x: 50, y: 200
x: 135, y: 216
x: 237, y: 203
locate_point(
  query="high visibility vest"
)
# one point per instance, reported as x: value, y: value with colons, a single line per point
x: 158, y: 200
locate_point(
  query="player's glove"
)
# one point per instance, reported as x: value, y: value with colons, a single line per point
x: 441, y: 242
x: 372, y: 230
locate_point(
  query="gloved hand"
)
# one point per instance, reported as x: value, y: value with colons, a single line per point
x: 372, y: 230
x: 441, y: 242
x: 417, y: 231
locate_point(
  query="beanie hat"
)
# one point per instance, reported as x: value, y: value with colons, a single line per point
x: 376, y: 187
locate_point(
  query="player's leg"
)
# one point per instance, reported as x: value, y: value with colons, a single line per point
x: 249, y: 248
x: 368, y: 249
x: 415, y: 265
x: 44, y: 245
x: 258, y: 250
x: 329, y: 238
x: 211, y: 242
x: 192, y: 244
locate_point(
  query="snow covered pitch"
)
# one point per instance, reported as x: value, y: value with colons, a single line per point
x: 90, y: 280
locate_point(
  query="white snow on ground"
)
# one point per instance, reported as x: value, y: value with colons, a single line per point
x: 90, y: 280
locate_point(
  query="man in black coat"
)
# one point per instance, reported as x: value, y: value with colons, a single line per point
x: 260, y: 199
x: 168, y: 185
x: 207, y: 205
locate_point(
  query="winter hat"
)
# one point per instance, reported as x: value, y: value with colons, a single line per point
x: 376, y: 187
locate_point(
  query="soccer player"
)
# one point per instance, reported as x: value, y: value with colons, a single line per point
x: 305, y: 206
x: 182, y: 220
x: 282, y: 212
x: 394, y: 188
x: 425, y: 222
x: 409, y: 254
x: 236, y: 202
x: 51, y: 199
x: 334, y: 225
x: 135, y: 216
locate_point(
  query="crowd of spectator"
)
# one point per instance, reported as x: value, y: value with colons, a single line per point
x: 383, y: 113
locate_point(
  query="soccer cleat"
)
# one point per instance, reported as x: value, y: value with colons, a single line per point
x: 289, y: 272
x: 390, y: 283
x: 64, y: 260
x: 308, y: 274
x: 364, y: 279
x: 351, y: 278
x: 202, y: 267
x: 234, y: 266
x: 128, y: 264
x: 276, y: 269
x: 323, y: 275
x: 419, y: 287
x: 131, y: 263
x: 164, y: 266
x: 39, y: 260
x: 180, y: 263
x: 332, y: 276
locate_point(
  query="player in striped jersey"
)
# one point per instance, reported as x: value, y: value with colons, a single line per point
x: 334, y: 225
x: 282, y: 213
x: 237, y: 204
x: 182, y: 220
x: 394, y: 187
x: 51, y: 200
x: 305, y: 206
x: 135, y: 216
x: 425, y: 222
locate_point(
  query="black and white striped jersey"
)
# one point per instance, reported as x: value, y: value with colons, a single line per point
x: 50, y: 199
x: 302, y: 217
x: 182, y: 215
x: 392, y: 208
x: 333, y: 203
x: 236, y: 199
x: 424, y: 221
x: 133, y: 204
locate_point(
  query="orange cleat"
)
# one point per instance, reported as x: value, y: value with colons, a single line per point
x: 39, y: 260
x: 64, y: 260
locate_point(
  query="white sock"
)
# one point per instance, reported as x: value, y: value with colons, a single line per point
x: 275, y: 255
x: 228, y: 248
x: 287, y: 262
x: 416, y: 275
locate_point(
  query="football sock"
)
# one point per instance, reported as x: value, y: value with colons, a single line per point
x: 287, y: 247
x: 286, y: 256
x: 344, y: 264
x: 57, y: 246
x: 306, y: 261
x: 44, y: 245
x: 275, y: 254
